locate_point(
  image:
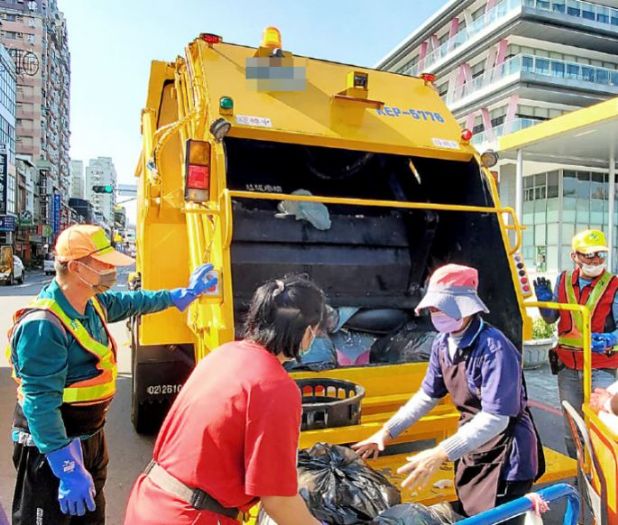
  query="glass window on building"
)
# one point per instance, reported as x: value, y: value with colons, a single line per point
x: 559, y: 6
x: 557, y: 69
x: 553, y: 184
x: 553, y: 256
x: 602, y: 76
x: 568, y: 231
x: 582, y: 193
x: 566, y: 262
x: 603, y: 14
x: 587, y: 73
x: 541, y: 259
x: 553, y: 210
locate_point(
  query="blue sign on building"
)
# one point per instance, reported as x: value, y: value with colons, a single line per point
x: 56, y: 209
x: 7, y: 223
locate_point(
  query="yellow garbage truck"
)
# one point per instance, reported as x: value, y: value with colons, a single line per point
x: 266, y: 163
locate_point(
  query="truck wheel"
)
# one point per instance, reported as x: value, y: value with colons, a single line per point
x: 148, y: 417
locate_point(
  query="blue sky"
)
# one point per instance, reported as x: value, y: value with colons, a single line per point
x: 113, y: 41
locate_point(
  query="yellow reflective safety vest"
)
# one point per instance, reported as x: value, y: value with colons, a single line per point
x: 89, y: 391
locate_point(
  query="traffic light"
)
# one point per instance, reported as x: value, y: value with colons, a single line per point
x: 107, y: 188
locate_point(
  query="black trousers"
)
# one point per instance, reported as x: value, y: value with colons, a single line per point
x: 35, y: 501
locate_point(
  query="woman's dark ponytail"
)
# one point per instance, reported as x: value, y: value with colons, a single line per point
x: 280, y: 312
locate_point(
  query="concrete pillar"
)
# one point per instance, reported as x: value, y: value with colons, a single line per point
x: 610, y: 208
x: 519, y: 185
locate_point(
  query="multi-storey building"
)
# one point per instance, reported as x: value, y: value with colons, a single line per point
x: 77, y: 179
x: 8, y: 183
x: 100, y: 172
x: 503, y: 65
x: 28, y: 240
x: 35, y: 34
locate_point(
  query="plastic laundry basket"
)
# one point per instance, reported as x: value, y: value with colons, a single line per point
x: 330, y: 403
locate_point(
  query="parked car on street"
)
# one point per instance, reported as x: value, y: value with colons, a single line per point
x: 15, y: 274
x: 48, y: 264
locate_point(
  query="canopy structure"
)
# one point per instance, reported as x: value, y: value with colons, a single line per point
x: 585, y: 137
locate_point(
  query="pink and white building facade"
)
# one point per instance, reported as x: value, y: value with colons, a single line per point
x: 504, y: 65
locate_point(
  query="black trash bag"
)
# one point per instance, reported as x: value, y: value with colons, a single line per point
x: 408, y: 514
x: 408, y: 344
x: 339, y: 488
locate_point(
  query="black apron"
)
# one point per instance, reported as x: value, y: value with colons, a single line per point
x: 477, y: 474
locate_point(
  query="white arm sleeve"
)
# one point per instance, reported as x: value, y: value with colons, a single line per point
x: 478, y: 431
x: 416, y: 407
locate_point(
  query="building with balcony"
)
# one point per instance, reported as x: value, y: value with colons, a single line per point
x: 8, y: 180
x: 505, y: 65
x: 35, y: 34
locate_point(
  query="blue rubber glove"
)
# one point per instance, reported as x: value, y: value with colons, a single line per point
x: 76, y: 491
x: 542, y: 289
x: 602, y: 342
x: 199, y: 283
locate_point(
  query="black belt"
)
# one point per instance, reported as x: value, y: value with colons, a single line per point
x: 197, y: 498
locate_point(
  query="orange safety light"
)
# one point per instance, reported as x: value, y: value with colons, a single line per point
x: 271, y: 38
x: 197, y: 171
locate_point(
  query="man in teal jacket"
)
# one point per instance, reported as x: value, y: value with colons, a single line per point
x: 64, y: 361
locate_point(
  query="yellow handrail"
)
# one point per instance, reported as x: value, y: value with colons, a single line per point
x: 516, y: 227
x: 586, y: 336
x: 365, y: 202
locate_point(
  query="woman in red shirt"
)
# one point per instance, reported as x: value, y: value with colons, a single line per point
x: 231, y: 437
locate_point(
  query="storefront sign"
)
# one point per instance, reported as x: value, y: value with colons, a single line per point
x: 56, y: 212
x: 25, y: 218
x: 7, y: 223
x: 3, y: 181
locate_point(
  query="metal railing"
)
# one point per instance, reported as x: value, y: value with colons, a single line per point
x: 522, y: 505
x: 519, y: 65
x: 499, y: 11
x: 585, y: 11
x: 503, y: 129
x: 578, y: 9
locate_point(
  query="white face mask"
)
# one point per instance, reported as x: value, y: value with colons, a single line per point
x: 593, y: 270
x: 303, y: 351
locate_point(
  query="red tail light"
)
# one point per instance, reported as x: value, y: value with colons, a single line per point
x: 197, y: 171
x: 211, y: 38
x: 198, y: 177
x: 466, y: 135
x: 429, y: 78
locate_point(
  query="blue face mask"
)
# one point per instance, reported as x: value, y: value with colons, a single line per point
x: 445, y: 324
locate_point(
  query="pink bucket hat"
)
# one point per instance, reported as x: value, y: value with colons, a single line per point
x: 453, y: 289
